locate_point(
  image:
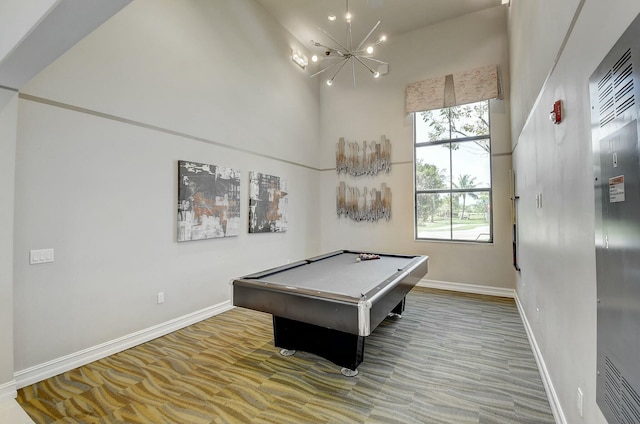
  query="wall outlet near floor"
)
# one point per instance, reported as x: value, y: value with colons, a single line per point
x: 580, y: 400
x: 160, y: 297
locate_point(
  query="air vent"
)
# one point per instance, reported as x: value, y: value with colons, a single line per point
x: 616, y: 90
x: 620, y: 397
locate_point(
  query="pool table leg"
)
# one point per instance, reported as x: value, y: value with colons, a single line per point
x: 343, y: 349
x: 348, y: 372
x: 398, y: 310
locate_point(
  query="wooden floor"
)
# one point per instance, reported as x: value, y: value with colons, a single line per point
x: 451, y: 358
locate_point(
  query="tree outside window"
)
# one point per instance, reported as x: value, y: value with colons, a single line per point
x: 453, y: 174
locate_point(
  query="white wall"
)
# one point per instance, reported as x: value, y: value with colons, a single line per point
x: 532, y: 56
x: 557, y: 252
x: 8, y: 125
x: 96, y: 179
x: 17, y: 19
x: 376, y: 107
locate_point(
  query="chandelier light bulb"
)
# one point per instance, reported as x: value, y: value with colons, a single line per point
x: 331, y: 17
x: 376, y: 74
x: 370, y: 49
x: 348, y: 16
x: 383, y: 38
x: 314, y: 58
x: 330, y: 82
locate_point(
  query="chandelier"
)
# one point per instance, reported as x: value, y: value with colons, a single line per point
x: 341, y: 54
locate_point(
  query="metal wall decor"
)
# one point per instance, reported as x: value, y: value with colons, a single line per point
x: 363, y: 204
x: 367, y: 158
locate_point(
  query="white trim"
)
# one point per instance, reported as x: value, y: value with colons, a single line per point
x: 8, y: 390
x: 554, y: 402
x: 56, y: 366
x: 12, y: 413
x: 468, y: 288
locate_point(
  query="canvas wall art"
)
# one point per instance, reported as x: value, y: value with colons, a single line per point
x: 267, y: 203
x: 208, y: 201
x: 366, y: 158
x: 363, y: 204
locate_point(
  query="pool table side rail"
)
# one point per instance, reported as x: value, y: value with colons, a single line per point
x: 276, y: 270
x: 303, y: 262
x: 340, y: 312
x: 336, y: 312
x: 391, y: 295
x: 410, y: 270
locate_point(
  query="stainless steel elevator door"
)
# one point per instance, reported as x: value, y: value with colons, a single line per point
x: 614, y: 89
x: 618, y: 273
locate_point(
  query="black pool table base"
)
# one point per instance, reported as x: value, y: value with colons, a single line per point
x: 343, y: 349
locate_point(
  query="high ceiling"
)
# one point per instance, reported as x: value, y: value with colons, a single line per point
x: 303, y: 17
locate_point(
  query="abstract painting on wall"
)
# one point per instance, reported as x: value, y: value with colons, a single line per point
x: 366, y: 159
x: 267, y: 203
x: 363, y: 204
x: 208, y: 201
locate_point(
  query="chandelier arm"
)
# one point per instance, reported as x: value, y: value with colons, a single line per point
x: 331, y: 49
x: 374, y: 60
x: 334, y: 40
x: 353, y: 71
x: 364, y: 64
x: 350, y: 36
x: 368, y: 35
x: 329, y: 67
x: 344, y: 62
x: 326, y: 58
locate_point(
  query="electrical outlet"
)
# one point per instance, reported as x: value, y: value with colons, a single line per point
x: 160, y: 297
x: 580, y: 399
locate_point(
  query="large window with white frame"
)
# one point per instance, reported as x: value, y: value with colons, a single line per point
x: 452, y: 168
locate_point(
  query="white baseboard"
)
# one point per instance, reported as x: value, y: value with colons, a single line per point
x: 554, y: 402
x: 12, y: 413
x: 467, y: 288
x: 59, y: 365
x: 8, y: 390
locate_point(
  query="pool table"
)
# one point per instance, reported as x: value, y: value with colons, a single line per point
x: 328, y: 304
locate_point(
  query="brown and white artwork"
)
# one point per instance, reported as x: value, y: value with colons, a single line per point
x: 366, y: 158
x: 267, y: 203
x: 363, y: 204
x: 208, y: 201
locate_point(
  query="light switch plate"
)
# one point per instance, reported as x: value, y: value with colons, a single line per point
x: 40, y: 256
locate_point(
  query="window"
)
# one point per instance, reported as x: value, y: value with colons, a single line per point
x: 453, y: 174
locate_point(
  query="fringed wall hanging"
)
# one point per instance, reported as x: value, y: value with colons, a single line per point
x: 366, y: 204
x: 366, y: 158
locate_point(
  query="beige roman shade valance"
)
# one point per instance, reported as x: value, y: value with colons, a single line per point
x: 454, y: 89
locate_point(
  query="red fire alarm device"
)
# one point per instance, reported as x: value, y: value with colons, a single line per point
x: 556, y: 113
